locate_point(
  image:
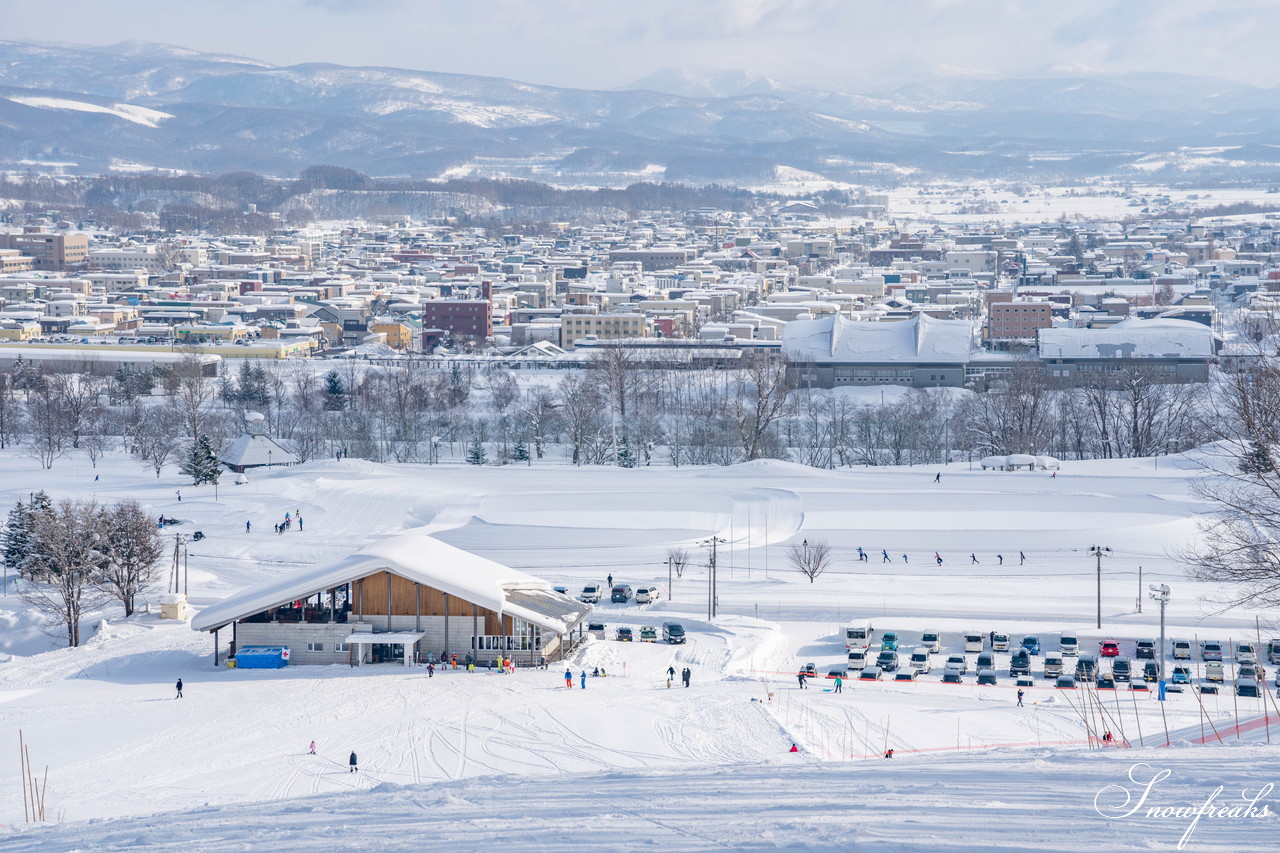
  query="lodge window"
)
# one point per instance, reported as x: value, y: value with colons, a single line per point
x: 315, y: 647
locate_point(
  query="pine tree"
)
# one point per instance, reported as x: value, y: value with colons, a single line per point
x: 335, y: 395
x: 1257, y: 460
x: 15, y: 541
x: 201, y: 464
x: 520, y: 452
x: 475, y: 452
x: 626, y: 457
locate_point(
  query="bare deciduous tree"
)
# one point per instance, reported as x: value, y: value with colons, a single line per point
x: 679, y: 560
x: 132, y: 550
x: 66, y: 564
x: 810, y: 558
x: 760, y: 399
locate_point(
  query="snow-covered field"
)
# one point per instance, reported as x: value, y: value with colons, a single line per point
x: 461, y: 761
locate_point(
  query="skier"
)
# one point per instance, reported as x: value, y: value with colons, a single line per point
x: 179, y: 696
x: 938, y: 477
x: 352, y: 762
x: 248, y: 525
x: 179, y: 496
x: 313, y: 747
x: 95, y: 478
x: 1019, y: 698
x: 862, y: 557
x: 584, y: 679
x: 937, y: 557
x: 904, y: 558
x: 1022, y: 558
x: 1000, y: 557
x: 568, y: 679
x: 973, y: 558
x: 794, y: 748
x: 1053, y: 476
x: 839, y: 683
x: 884, y: 556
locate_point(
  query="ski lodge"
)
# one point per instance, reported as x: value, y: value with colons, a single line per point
x: 403, y: 599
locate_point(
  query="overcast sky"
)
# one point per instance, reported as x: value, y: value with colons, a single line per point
x: 603, y: 44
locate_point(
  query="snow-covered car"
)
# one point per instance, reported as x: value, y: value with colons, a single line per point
x: 1109, y: 649
x: 1210, y: 650
x: 648, y: 634
x: 1065, y: 682
x: 952, y: 676
x: 1247, y: 687
x: 624, y: 635
x: 838, y: 672
x: 889, y: 641
x: 1031, y: 644
x: 986, y: 660
x: 987, y: 676
x: 906, y: 675
x: 646, y: 595
x: 869, y: 673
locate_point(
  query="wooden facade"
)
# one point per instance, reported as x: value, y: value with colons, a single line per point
x: 386, y: 593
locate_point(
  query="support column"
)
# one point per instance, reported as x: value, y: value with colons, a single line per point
x: 445, y: 649
x: 388, y: 601
x: 215, y: 648
x: 417, y: 606
x: 475, y: 637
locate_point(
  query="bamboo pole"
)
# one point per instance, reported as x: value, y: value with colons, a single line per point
x: 22, y: 759
x: 1262, y: 682
x: 1165, y: 721
x: 43, y: 788
x: 1204, y: 715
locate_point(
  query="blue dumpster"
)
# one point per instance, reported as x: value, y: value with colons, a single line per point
x: 262, y: 657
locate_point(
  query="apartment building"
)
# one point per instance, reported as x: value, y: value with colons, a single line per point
x: 602, y: 326
x: 1008, y: 321
x: 48, y: 250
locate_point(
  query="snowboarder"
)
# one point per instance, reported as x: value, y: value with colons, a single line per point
x: 352, y: 761
x: 584, y: 679
x: 884, y: 556
x: 839, y: 683
x: 313, y: 747
x: 1019, y: 698
x: 973, y: 558
x: 794, y: 748
x: 568, y: 679
x: 95, y: 478
x: 938, y: 477
x: 1053, y: 476
x: 1022, y: 558
x: 248, y: 525
x: 179, y: 696
x: 1000, y: 557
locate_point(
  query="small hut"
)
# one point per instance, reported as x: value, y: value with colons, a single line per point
x: 255, y: 449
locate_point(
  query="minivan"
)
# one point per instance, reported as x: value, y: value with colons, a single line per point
x: 673, y: 632
x: 857, y: 633
x: 986, y: 660
x: 1069, y: 645
x: 1182, y: 650
x: 973, y: 642
x: 920, y: 660
x: 986, y: 676
x: 1246, y: 687
x: 932, y: 641
x: 1210, y: 650
x: 1052, y: 665
x: 857, y: 658
x: 1020, y: 663
x: 1121, y: 669
x: 1000, y: 643
x: 646, y: 595
x: 596, y: 629
x: 1213, y: 671
x: 1086, y: 666
x: 887, y: 661
x: 621, y: 594
x: 591, y: 593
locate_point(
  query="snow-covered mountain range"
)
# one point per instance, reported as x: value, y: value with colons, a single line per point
x: 136, y: 104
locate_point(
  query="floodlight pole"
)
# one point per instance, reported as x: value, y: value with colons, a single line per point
x: 1160, y: 594
x: 712, y: 603
x: 1097, y: 551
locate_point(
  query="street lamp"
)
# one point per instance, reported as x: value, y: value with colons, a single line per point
x: 1097, y: 551
x: 1160, y: 595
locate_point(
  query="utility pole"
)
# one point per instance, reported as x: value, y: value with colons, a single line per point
x: 1160, y: 594
x: 669, y: 596
x: 712, y: 602
x: 1097, y: 551
x: 1139, y: 589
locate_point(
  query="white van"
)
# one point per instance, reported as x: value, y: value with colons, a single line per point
x: 1000, y: 642
x: 932, y: 641
x: 920, y: 659
x: 1069, y: 645
x: 1213, y: 671
x: 857, y: 634
x: 973, y: 642
x: 1182, y: 650
x: 857, y: 658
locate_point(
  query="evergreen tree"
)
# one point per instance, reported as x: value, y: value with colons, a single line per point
x: 201, y: 464
x: 626, y: 457
x: 475, y: 452
x: 15, y: 541
x: 1257, y: 460
x: 520, y: 452
x: 335, y: 395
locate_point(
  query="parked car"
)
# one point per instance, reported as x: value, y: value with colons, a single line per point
x: 1245, y: 653
x: 986, y: 660
x: 987, y: 676
x: 1151, y: 671
x: 1109, y: 649
x: 958, y: 662
x: 810, y: 669
x: 563, y: 590
x: 1000, y: 642
x: 1020, y: 663
x: 624, y: 635
x: 1069, y: 645
x: 1182, y: 650
x: 1273, y: 651
x: 920, y: 660
x: 1210, y: 650
x: 1053, y: 665
x: 932, y: 641
x: 1213, y: 671
x: 1031, y: 644
x: 857, y: 658
x: 1146, y: 650
x: 621, y: 593
x: 1065, y: 682
x: 869, y: 673
x: 1251, y: 670
x: 648, y: 634
x: 1105, y: 681
x: 1086, y: 667
x: 596, y: 629
x: 1121, y: 669
x: 857, y: 634
x: 838, y: 672
x: 647, y: 595
x: 889, y: 641
x: 591, y: 593
x: 1181, y: 675
x: 887, y: 661
x: 1246, y: 687
x: 952, y: 676
x: 973, y: 642
x: 906, y: 675
x: 673, y: 632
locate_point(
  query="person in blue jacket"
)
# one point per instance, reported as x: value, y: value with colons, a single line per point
x: 584, y: 679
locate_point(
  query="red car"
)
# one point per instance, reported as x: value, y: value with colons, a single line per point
x: 1109, y: 649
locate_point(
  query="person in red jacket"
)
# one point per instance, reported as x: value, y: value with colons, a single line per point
x: 795, y: 748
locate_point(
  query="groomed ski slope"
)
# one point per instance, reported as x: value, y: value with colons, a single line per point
x: 493, y: 754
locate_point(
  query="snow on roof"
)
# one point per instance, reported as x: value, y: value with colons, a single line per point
x: 1133, y: 338
x: 919, y: 340
x: 251, y: 450
x: 419, y: 558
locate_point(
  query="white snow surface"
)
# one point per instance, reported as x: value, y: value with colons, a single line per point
x: 129, y: 112
x: 466, y: 761
x: 921, y: 339
x: 1132, y: 338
